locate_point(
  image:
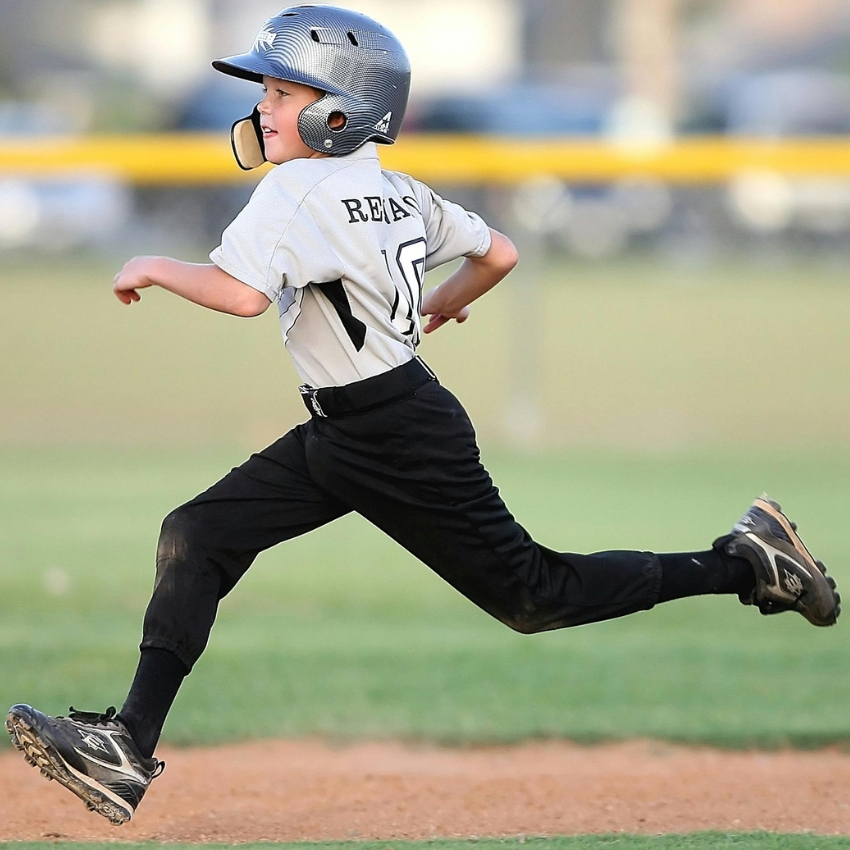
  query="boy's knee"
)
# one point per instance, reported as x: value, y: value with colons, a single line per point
x: 192, y: 551
x: 525, y: 624
x: 523, y: 613
x: 184, y: 539
x: 174, y: 536
x: 182, y: 553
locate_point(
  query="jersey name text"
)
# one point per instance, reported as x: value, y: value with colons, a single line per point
x: 376, y: 208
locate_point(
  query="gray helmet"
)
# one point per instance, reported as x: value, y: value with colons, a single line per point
x: 359, y: 64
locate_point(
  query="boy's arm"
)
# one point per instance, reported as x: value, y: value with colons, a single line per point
x: 475, y: 276
x: 204, y: 284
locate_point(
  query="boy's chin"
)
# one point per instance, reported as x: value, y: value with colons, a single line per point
x: 280, y: 158
x: 274, y: 155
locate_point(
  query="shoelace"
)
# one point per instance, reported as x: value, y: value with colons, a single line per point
x: 93, y: 717
x: 101, y: 719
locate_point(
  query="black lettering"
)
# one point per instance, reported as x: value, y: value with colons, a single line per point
x: 375, y: 207
x: 410, y: 201
x: 399, y: 212
x: 355, y: 210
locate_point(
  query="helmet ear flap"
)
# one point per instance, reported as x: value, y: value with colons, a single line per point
x: 246, y: 138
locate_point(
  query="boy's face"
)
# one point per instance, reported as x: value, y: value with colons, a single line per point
x: 279, y: 111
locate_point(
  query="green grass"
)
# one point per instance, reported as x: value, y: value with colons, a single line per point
x: 695, y: 841
x: 637, y: 355
x: 342, y: 633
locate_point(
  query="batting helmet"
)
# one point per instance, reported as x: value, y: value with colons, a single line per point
x: 359, y: 64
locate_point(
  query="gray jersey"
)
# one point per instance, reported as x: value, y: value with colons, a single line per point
x: 342, y: 248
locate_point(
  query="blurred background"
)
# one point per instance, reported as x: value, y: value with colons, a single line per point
x: 634, y: 71
x: 721, y: 127
x: 676, y: 174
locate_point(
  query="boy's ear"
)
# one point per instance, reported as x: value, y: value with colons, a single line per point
x: 246, y: 137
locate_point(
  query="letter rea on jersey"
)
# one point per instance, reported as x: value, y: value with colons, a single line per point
x: 376, y: 208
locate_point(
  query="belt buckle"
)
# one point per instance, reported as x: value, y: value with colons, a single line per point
x: 310, y: 394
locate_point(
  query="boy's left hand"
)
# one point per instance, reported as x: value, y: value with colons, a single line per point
x: 136, y: 274
x: 437, y: 320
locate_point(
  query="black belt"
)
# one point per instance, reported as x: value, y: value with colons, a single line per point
x: 368, y: 394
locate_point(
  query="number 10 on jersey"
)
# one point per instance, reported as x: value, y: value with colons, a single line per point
x: 410, y: 265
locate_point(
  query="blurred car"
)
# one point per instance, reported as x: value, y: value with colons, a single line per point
x: 216, y: 104
x: 519, y: 110
x: 55, y: 213
x: 805, y: 102
x: 587, y: 220
x: 787, y: 104
x: 199, y: 214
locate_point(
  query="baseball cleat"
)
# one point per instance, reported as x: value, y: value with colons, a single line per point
x: 90, y: 754
x: 788, y: 578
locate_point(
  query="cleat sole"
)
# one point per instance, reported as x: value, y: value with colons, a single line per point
x: 41, y: 755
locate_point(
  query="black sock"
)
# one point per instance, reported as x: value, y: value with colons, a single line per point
x: 697, y: 573
x: 158, y: 678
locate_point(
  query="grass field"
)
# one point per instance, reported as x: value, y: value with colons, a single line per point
x: 343, y: 633
x: 641, y: 356
x: 671, y: 397
x: 114, y: 415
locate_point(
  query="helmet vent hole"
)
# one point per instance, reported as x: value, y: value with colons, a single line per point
x: 352, y: 38
x: 315, y: 36
x: 337, y: 121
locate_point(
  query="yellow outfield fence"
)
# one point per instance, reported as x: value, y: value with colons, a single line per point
x: 192, y: 159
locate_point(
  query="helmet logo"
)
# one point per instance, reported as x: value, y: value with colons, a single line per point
x: 265, y: 39
x: 383, y: 126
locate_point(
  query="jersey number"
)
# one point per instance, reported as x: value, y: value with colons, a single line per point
x: 410, y: 260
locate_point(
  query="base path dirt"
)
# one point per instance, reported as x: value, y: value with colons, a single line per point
x: 312, y: 790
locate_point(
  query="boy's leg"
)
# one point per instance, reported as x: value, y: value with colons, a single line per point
x: 413, y: 469
x: 205, y: 547
x: 699, y: 573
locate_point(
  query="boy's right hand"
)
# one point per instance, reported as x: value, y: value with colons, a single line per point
x: 136, y: 274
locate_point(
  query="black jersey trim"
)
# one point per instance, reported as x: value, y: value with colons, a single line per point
x: 334, y: 291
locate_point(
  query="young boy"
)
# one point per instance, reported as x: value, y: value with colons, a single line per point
x: 341, y: 247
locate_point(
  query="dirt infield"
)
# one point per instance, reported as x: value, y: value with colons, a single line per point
x: 310, y: 790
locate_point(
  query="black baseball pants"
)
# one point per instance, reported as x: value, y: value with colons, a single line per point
x: 400, y: 450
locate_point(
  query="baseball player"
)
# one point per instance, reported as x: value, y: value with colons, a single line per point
x: 341, y: 247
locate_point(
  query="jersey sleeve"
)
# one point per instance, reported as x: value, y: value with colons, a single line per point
x: 275, y: 242
x: 450, y: 230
